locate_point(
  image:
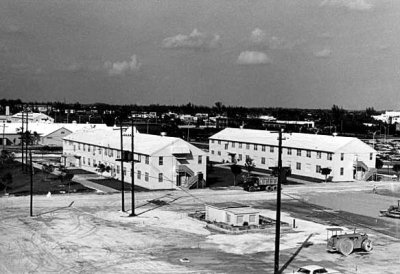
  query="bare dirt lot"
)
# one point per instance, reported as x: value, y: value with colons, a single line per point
x: 86, y: 233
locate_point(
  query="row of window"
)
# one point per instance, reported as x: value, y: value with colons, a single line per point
x: 110, y: 153
x: 118, y: 169
x: 288, y: 150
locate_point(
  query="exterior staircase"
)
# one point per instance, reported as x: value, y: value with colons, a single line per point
x: 369, y: 174
x: 185, y: 169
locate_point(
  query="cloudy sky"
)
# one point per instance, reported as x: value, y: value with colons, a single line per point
x: 272, y: 53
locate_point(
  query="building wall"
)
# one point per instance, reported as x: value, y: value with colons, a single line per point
x: 307, y: 164
x: 214, y: 214
x: 148, y: 173
x: 55, y: 138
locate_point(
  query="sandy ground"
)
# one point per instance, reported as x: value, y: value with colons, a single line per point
x: 88, y: 234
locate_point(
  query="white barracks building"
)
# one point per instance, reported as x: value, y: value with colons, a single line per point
x: 348, y: 158
x: 161, y: 162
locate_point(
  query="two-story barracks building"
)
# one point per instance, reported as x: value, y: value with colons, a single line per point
x: 348, y: 158
x: 161, y: 162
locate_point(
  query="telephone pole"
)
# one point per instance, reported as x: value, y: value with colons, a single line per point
x: 31, y: 188
x: 278, y: 205
x: 133, y: 172
x: 122, y: 167
x: 22, y: 141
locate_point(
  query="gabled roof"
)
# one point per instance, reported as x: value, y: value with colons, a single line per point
x: 316, y: 142
x: 44, y: 129
x: 146, y: 144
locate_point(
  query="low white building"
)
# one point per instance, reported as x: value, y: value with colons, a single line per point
x: 161, y: 162
x: 306, y: 154
x: 232, y: 214
x: 48, y: 134
x: 390, y: 117
x: 33, y: 117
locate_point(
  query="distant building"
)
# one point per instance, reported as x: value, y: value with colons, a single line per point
x: 33, y: 117
x: 161, y: 162
x: 232, y: 213
x: 48, y: 134
x: 389, y: 117
x: 306, y: 154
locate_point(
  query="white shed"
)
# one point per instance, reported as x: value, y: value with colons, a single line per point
x: 235, y: 214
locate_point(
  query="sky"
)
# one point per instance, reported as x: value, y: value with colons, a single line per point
x: 253, y: 53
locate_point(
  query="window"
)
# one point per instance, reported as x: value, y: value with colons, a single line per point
x: 88, y: 161
x: 118, y: 169
x: 271, y: 149
x: 298, y: 166
x: 247, y: 157
x: 309, y: 153
x: 160, y: 161
x: 62, y: 132
x: 371, y: 156
x: 247, y: 146
x: 212, y: 141
x: 124, y: 171
x: 252, y: 218
x: 341, y: 171
x: 329, y: 156
x: 219, y: 142
x: 255, y: 147
x: 342, y: 157
x: 239, y: 219
x: 84, y: 147
x: 110, y: 153
x: 289, y: 151
x: 139, y: 174
x: 219, y: 153
x: 74, y: 148
x: 233, y: 144
x: 160, y: 177
x: 263, y: 160
x: 262, y: 148
x: 199, y: 159
x: 299, y: 152
x: 318, y: 169
x: 118, y: 154
x: 147, y: 160
x: 146, y: 176
x: 83, y: 160
x: 240, y: 145
x: 319, y: 154
x: 212, y: 152
x: 79, y: 146
x: 99, y: 150
x: 240, y: 157
x: 228, y: 217
x: 88, y: 148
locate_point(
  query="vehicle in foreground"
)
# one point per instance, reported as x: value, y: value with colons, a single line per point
x: 257, y: 183
x: 347, y: 243
x: 315, y: 269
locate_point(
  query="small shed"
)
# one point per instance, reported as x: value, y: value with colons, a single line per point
x: 231, y: 213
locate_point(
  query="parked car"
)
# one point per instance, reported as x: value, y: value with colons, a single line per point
x: 315, y: 269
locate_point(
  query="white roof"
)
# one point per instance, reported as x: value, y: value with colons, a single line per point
x: 31, y: 115
x: 146, y: 144
x: 45, y: 129
x: 292, y: 140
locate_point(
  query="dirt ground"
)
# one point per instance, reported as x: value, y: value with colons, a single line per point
x: 87, y: 233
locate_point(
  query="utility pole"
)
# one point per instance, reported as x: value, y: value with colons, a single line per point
x: 26, y: 137
x: 133, y: 172
x: 4, y: 128
x: 31, y: 188
x: 122, y: 166
x: 278, y: 205
x: 22, y: 140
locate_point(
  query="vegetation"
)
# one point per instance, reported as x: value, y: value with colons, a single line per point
x: 236, y: 170
x: 249, y: 165
x: 326, y: 171
x: 396, y: 168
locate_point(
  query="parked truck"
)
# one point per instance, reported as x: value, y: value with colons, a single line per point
x: 260, y: 183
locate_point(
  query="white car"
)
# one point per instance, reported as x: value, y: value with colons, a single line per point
x: 315, y: 269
